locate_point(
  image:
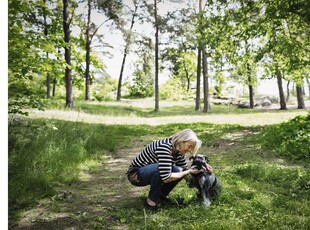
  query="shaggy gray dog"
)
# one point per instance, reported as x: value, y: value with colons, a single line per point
x: 206, y: 182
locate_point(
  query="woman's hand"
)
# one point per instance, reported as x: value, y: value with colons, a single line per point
x: 195, y: 171
x: 209, y: 168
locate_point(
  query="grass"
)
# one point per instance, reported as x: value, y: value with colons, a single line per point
x: 145, y: 108
x: 41, y: 152
x: 260, y: 189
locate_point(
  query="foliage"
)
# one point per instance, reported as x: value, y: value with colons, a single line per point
x: 142, y: 86
x: 290, y: 139
x: 20, y: 103
x: 174, y: 90
x: 104, y: 88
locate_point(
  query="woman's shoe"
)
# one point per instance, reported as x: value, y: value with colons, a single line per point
x: 150, y: 207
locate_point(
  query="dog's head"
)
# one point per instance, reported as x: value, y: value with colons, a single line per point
x: 199, y: 162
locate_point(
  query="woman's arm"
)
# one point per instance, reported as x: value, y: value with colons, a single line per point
x: 179, y: 175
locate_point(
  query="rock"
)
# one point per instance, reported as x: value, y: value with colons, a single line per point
x: 243, y: 104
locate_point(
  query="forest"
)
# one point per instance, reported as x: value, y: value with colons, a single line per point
x: 74, y: 126
x: 207, y: 47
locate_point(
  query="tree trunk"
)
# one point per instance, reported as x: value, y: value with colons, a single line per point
x: 199, y: 53
x: 48, y: 86
x: 293, y: 89
x: 251, y: 89
x: 54, y: 86
x: 251, y: 95
x: 48, y: 76
x: 156, y: 59
x: 206, y: 102
x: 88, y: 42
x: 68, y: 75
x: 197, y: 107
x: 119, y: 92
x: 187, y: 76
x: 288, y: 91
x: 119, y: 87
x: 300, y: 98
x: 280, y: 87
x: 308, y: 83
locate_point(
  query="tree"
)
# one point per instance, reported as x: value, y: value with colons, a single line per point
x: 281, y: 92
x: 203, y: 32
x: 143, y: 80
x: 308, y: 84
x: 68, y: 74
x: 88, y: 50
x: 27, y: 62
x: 199, y: 59
x: 156, y: 58
x: 90, y: 32
x: 197, y: 101
x: 206, y: 99
x: 48, y: 76
x: 178, y: 42
x: 300, y: 98
x: 128, y: 41
x: 289, y: 41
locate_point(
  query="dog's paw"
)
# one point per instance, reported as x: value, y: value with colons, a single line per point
x: 206, y: 203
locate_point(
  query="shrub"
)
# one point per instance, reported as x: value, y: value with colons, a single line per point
x: 173, y: 90
x: 290, y: 139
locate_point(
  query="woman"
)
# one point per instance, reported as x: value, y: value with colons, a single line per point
x: 162, y: 165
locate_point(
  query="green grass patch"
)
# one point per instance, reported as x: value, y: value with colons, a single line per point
x: 145, y: 108
x: 260, y: 191
x: 259, y: 195
x: 42, y: 152
x: 290, y: 139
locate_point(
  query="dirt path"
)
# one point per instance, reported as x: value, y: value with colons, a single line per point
x: 87, y: 204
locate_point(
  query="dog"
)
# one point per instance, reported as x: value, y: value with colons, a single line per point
x: 208, y: 185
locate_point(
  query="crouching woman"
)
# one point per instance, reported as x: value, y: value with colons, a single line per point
x: 162, y: 165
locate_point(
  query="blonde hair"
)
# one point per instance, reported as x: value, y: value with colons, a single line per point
x: 186, y: 135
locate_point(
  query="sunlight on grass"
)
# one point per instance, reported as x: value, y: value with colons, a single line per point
x: 135, y: 112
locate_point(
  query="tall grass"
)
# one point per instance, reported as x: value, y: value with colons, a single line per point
x: 42, y: 152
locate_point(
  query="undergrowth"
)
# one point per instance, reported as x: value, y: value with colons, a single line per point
x: 290, y: 139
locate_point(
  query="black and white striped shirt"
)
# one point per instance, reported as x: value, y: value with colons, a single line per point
x: 160, y: 152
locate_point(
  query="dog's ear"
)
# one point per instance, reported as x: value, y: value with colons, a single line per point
x: 191, y: 158
x: 207, y: 159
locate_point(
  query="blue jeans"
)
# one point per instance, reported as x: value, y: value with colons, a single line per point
x: 149, y: 175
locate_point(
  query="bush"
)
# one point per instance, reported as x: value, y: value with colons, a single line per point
x: 173, y: 90
x: 19, y: 104
x: 290, y: 139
